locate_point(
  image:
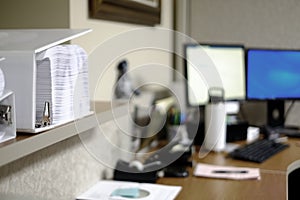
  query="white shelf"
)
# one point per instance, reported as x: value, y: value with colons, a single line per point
x: 24, y: 145
x: 36, y: 40
x: 20, y: 48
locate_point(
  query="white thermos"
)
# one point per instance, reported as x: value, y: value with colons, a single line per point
x: 215, y: 121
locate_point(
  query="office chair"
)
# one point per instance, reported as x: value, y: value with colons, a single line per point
x: 293, y: 181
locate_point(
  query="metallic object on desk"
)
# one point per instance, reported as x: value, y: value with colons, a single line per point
x: 46, y: 117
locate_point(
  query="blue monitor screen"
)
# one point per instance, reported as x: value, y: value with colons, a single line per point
x: 273, y: 74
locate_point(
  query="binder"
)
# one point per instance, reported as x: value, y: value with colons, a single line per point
x: 20, y: 47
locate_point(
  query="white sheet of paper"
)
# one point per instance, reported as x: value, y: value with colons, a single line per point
x: 103, y: 190
x: 226, y: 172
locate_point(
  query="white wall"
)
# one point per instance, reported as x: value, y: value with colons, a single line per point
x: 103, y: 46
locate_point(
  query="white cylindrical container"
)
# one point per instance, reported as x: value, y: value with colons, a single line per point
x: 215, y: 127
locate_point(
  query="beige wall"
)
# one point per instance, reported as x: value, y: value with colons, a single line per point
x: 104, y: 59
x: 256, y: 23
x: 34, y: 13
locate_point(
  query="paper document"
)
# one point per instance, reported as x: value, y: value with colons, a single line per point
x: 225, y: 172
x: 62, y: 80
x: 121, y: 190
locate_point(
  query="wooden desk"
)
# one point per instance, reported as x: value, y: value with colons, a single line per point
x: 271, y: 186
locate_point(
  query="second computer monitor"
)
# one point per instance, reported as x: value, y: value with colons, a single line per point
x: 273, y: 74
x: 229, y: 62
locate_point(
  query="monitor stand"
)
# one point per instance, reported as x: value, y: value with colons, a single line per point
x: 276, y: 119
x: 275, y: 113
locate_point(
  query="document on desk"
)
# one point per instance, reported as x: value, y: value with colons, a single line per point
x: 226, y: 172
x: 121, y: 190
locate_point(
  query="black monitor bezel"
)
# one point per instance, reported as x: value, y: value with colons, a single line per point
x: 185, y: 64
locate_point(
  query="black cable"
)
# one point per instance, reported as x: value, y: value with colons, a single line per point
x: 288, y: 110
x: 241, y: 111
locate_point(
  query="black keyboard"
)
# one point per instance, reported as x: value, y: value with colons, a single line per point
x: 258, y: 151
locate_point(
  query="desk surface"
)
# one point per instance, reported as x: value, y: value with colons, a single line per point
x: 271, y: 186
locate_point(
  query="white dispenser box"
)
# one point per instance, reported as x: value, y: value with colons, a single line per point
x: 20, y: 48
x: 7, y: 116
x: 7, y: 110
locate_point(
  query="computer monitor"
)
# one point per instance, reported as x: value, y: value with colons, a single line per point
x: 273, y: 75
x: 229, y: 64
